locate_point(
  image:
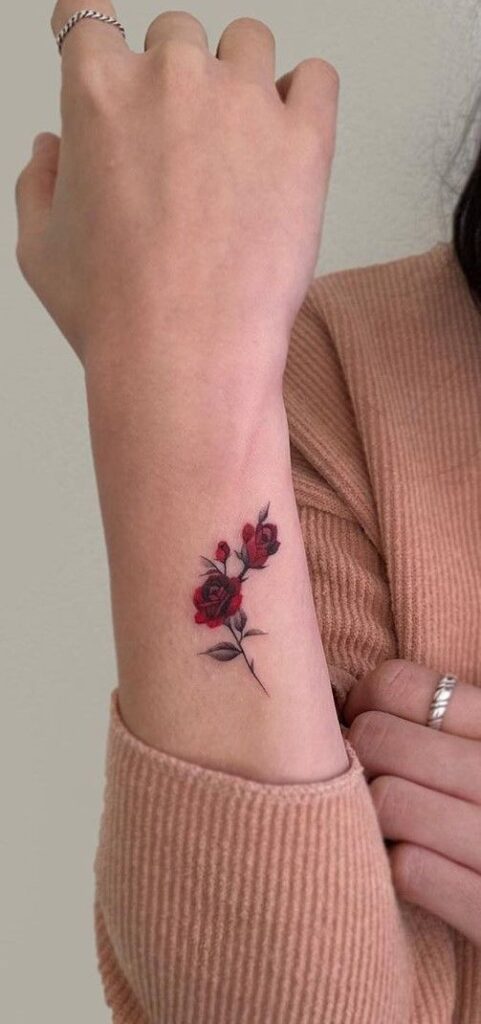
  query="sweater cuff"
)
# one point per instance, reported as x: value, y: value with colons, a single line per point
x: 121, y: 738
x: 247, y: 899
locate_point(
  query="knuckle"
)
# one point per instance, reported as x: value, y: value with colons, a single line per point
x: 381, y: 792
x: 389, y: 670
x: 253, y: 25
x: 176, y: 16
x: 392, y: 678
x: 99, y: 81
x: 20, y: 185
x: 22, y: 257
x: 407, y: 869
x: 391, y: 798
x: 185, y: 19
x: 327, y: 74
x: 23, y: 183
x: 178, y: 59
x: 367, y: 732
x: 360, y: 726
x: 85, y: 75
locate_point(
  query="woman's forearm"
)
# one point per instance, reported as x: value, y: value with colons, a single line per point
x: 172, y: 232
x: 185, y: 458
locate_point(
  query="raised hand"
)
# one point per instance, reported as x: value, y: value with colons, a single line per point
x: 186, y: 186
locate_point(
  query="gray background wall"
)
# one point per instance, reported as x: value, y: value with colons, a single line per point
x: 409, y: 72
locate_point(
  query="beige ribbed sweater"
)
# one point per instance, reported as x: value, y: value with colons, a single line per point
x: 225, y: 901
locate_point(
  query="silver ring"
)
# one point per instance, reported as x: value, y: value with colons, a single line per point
x: 79, y: 16
x: 441, y: 697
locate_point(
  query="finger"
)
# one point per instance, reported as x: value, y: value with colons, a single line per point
x: 412, y: 813
x: 387, y: 745
x: 311, y: 91
x: 405, y: 689
x: 249, y: 46
x: 440, y: 886
x: 177, y: 26
x: 34, y: 190
x: 89, y: 33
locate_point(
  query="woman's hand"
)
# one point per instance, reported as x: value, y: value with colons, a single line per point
x: 187, y: 188
x: 426, y: 786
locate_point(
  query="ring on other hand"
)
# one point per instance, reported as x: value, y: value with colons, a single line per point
x: 79, y: 16
x: 441, y: 697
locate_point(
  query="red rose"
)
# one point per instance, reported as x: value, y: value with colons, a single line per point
x: 223, y: 551
x: 260, y: 541
x: 217, y: 599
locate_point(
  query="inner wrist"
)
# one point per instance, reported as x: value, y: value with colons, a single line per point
x: 207, y: 424
x: 191, y: 342
x: 186, y: 384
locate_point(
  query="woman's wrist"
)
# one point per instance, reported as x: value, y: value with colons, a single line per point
x: 198, y: 399
x: 157, y: 434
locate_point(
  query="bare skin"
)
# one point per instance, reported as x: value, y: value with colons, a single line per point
x: 426, y: 787
x: 172, y: 233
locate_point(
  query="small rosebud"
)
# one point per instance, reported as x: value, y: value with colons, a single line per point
x: 223, y: 551
x: 248, y: 532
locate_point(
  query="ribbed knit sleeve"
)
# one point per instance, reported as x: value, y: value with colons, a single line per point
x: 336, y: 506
x: 333, y: 474
x: 221, y: 900
x: 348, y: 580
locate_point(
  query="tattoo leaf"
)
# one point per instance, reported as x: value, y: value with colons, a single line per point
x: 255, y: 632
x: 264, y: 512
x: 239, y: 620
x: 208, y: 561
x: 222, y: 652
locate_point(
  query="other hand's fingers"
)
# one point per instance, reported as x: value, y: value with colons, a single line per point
x: 176, y: 26
x: 249, y: 46
x: 442, y: 887
x: 405, y: 689
x: 34, y: 192
x: 89, y: 34
x: 388, y: 745
x: 412, y: 813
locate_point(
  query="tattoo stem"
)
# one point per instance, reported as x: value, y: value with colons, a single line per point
x: 246, y: 659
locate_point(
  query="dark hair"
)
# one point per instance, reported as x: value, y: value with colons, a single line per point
x: 466, y: 222
x: 467, y: 230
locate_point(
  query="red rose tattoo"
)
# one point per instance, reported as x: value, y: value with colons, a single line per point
x: 218, y: 599
x: 223, y: 551
x: 259, y: 542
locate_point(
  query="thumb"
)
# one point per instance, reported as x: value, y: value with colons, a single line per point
x: 34, y: 190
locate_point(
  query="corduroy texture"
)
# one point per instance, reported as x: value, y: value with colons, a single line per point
x: 224, y: 901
